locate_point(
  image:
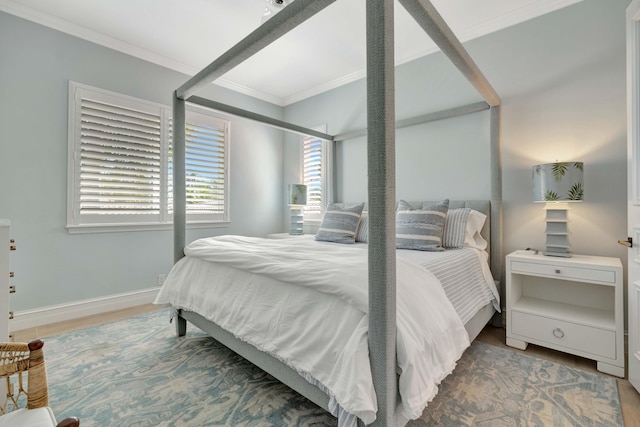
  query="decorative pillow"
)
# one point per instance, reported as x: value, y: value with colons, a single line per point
x: 455, y: 227
x: 339, y: 224
x: 462, y: 228
x: 362, y: 234
x: 420, y: 229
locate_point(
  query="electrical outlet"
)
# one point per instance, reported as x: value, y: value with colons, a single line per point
x: 161, y: 279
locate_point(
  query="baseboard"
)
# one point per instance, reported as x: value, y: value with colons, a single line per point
x: 74, y: 310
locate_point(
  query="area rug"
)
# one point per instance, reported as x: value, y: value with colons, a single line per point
x: 135, y: 372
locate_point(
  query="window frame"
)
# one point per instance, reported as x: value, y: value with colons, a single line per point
x: 161, y: 221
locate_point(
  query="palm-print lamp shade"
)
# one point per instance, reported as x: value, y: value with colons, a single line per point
x: 557, y: 182
x: 562, y: 182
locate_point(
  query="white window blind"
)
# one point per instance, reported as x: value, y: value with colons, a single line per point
x: 120, y: 162
x: 313, y: 176
x: 205, y: 165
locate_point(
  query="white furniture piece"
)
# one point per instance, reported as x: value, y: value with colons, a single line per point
x: 573, y: 305
x: 5, y: 247
x: 5, y: 243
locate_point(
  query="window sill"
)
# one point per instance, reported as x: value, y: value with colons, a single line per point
x: 127, y: 227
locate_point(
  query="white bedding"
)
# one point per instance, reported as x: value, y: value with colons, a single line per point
x: 306, y: 303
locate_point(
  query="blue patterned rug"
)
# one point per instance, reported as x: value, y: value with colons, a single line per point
x: 135, y: 372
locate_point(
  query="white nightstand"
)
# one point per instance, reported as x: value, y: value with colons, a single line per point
x: 568, y: 304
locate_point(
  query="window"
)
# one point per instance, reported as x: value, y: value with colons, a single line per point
x: 120, y: 163
x: 205, y: 169
x: 316, y: 173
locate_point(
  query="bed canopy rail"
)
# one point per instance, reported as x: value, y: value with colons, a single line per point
x: 380, y: 155
x: 286, y: 20
x: 239, y: 112
x: 424, y: 118
x: 435, y: 26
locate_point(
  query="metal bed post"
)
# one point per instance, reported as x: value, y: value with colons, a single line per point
x: 381, y: 195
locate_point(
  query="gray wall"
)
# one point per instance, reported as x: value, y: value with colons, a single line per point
x: 562, y: 81
x: 53, y: 267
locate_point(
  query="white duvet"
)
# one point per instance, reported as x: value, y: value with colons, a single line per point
x: 306, y: 302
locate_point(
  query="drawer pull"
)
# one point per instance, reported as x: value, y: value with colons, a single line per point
x: 557, y: 271
x: 12, y: 289
x: 12, y: 248
x: 558, y: 333
x: 11, y: 274
x: 11, y: 315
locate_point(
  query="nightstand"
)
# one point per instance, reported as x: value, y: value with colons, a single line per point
x: 572, y: 304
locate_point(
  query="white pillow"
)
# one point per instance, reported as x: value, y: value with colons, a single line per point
x: 472, y: 237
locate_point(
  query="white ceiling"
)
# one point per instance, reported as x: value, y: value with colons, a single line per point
x: 325, y: 52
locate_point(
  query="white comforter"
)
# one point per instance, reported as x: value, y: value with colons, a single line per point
x: 306, y: 302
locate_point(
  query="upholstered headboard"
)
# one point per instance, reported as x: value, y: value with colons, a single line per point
x: 490, y: 232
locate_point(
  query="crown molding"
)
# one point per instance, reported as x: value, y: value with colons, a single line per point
x: 517, y: 16
x: 505, y: 20
x: 96, y: 37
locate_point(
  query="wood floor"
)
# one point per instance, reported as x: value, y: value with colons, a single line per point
x: 629, y: 397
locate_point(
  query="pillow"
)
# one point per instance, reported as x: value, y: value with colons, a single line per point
x: 455, y: 227
x: 339, y: 224
x: 473, y: 238
x: 462, y: 228
x: 421, y: 229
x: 362, y: 234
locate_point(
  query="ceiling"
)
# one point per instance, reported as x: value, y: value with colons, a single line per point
x: 325, y: 52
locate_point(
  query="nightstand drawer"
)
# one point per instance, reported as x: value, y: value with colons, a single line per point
x: 574, y: 336
x: 561, y: 272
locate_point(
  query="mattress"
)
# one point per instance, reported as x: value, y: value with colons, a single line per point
x: 305, y: 303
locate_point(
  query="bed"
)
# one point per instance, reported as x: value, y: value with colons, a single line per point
x: 382, y: 259
x: 302, y: 304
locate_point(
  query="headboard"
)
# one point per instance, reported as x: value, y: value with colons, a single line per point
x: 490, y: 232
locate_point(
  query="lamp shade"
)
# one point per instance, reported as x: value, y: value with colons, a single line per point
x: 560, y: 181
x: 297, y: 194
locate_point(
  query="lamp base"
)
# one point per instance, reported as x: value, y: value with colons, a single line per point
x: 557, y: 230
x: 297, y: 221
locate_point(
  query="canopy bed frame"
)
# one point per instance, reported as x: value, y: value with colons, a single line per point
x: 381, y: 171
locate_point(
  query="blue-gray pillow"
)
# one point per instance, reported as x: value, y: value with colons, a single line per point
x: 339, y: 224
x: 421, y: 229
x: 455, y: 228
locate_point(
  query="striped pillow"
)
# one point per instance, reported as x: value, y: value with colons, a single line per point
x: 339, y: 224
x: 455, y: 228
x: 362, y: 234
x: 420, y: 229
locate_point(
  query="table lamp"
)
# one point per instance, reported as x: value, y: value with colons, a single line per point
x: 556, y: 184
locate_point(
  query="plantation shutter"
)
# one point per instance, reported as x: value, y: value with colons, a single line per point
x: 206, y: 175
x: 313, y: 176
x: 119, y: 171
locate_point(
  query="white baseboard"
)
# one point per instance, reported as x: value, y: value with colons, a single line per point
x: 74, y: 310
